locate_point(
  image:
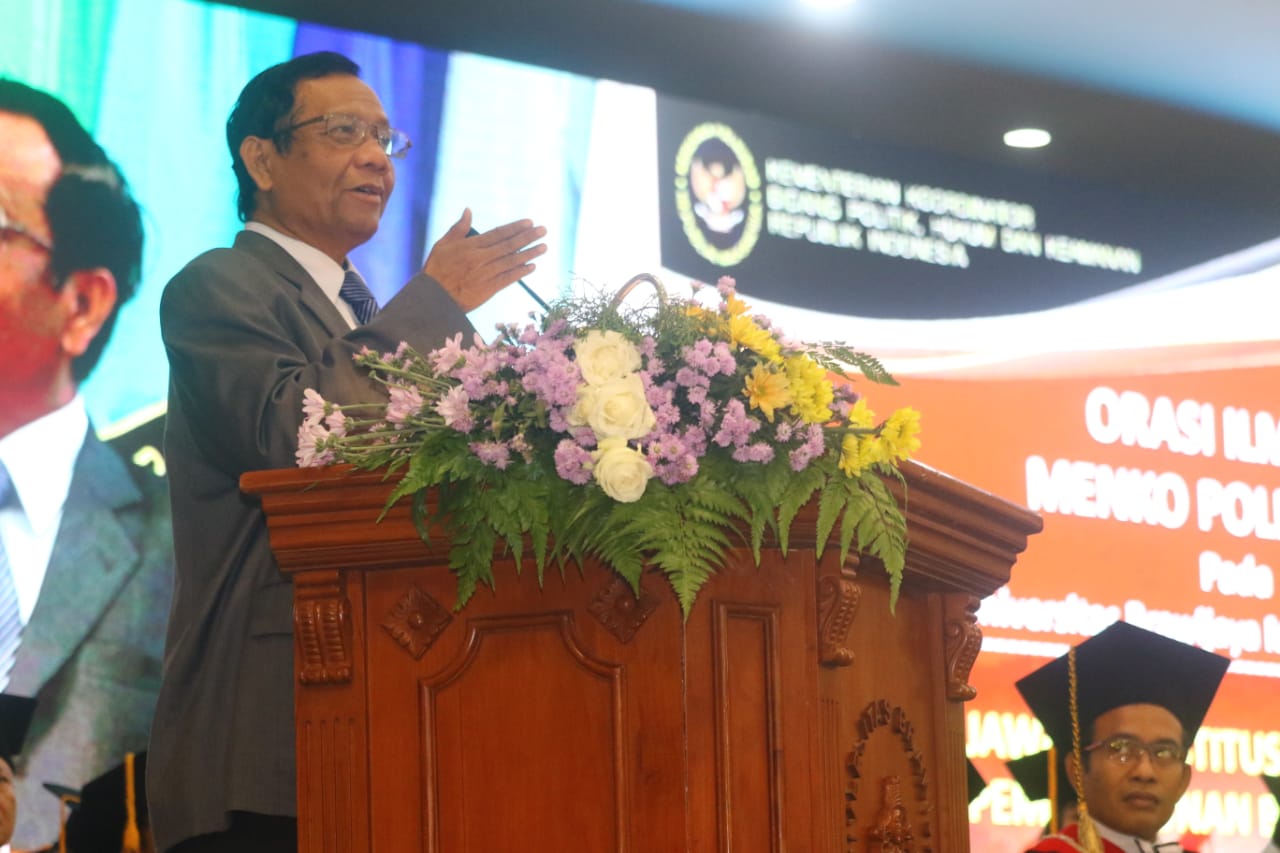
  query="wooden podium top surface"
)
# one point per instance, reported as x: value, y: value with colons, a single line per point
x: 959, y: 537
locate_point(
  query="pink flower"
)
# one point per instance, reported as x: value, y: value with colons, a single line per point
x: 573, y: 462
x: 447, y: 357
x: 312, y: 438
x: 455, y: 407
x: 337, y: 422
x: 313, y: 405
x: 406, y: 402
x: 493, y: 453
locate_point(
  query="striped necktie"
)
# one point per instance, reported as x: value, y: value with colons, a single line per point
x: 358, y: 296
x: 10, y: 618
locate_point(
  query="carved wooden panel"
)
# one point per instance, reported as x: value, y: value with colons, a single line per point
x: 748, y: 733
x: 963, y: 642
x: 416, y: 621
x: 914, y: 801
x: 327, y: 751
x: 620, y: 610
x: 322, y: 629
x: 524, y: 695
x: 837, y: 607
x: 830, y: 779
x: 891, y: 832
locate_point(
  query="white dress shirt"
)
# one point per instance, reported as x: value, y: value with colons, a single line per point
x: 327, y: 272
x: 40, y: 457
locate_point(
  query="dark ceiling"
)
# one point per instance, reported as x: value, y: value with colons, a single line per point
x: 849, y: 82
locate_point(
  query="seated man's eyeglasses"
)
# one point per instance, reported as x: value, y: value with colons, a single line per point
x: 1128, y: 750
x: 350, y: 131
x: 9, y: 228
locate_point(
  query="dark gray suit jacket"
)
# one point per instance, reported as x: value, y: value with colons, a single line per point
x: 246, y: 331
x: 91, y: 652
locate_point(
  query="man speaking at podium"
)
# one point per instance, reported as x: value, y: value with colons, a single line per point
x: 247, y: 330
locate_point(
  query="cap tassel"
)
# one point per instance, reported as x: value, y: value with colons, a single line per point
x: 1089, y: 839
x: 1054, y: 817
x: 132, y: 842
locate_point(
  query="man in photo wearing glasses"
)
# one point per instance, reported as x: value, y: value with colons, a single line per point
x: 247, y: 330
x: 85, y: 536
x: 1135, y: 702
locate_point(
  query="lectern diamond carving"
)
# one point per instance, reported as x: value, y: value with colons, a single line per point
x: 791, y: 711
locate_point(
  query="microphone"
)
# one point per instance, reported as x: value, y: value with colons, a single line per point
x: 527, y: 289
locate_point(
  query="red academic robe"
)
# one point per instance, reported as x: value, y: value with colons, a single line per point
x: 1068, y: 841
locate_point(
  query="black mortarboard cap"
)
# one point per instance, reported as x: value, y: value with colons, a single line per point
x: 1031, y: 772
x: 1124, y: 665
x: 97, y: 823
x: 15, y: 719
x: 976, y: 783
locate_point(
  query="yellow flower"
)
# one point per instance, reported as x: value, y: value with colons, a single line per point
x: 811, y: 392
x: 860, y: 452
x: 744, y: 332
x: 861, y: 416
x: 734, y: 306
x: 767, y: 390
x: 901, y: 433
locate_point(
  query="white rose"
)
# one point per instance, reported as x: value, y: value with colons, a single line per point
x: 604, y: 356
x: 620, y: 470
x: 615, y: 409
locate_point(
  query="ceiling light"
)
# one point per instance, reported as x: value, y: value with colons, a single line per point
x: 1027, y: 137
x: 828, y: 5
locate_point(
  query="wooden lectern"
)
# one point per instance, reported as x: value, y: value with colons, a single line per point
x: 791, y: 713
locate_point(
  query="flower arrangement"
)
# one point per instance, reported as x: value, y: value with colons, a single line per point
x: 646, y: 436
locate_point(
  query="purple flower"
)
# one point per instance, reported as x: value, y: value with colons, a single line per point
x: 690, y: 377
x: 755, y: 452
x: 736, y: 426
x: 695, y: 438
x: 814, y: 446
x: 550, y: 375
x: 706, y: 412
x: 573, y: 462
x: 558, y: 419
x: 724, y: 359
x: 672, y: 459
x: 493, y: 453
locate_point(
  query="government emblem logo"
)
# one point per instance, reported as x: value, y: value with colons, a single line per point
x: 718, y: 194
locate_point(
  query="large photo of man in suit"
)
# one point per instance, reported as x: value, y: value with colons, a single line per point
x: 85, y: 536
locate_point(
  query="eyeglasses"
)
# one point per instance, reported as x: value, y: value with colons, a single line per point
x: 1126, y: 750
x: 9, y: 227
x: 350, y: 131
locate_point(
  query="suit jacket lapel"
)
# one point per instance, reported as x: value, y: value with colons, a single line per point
x: 93, y: 556
x: 310, y: 296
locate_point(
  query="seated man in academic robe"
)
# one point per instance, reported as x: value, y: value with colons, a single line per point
x: 1125, y: 719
